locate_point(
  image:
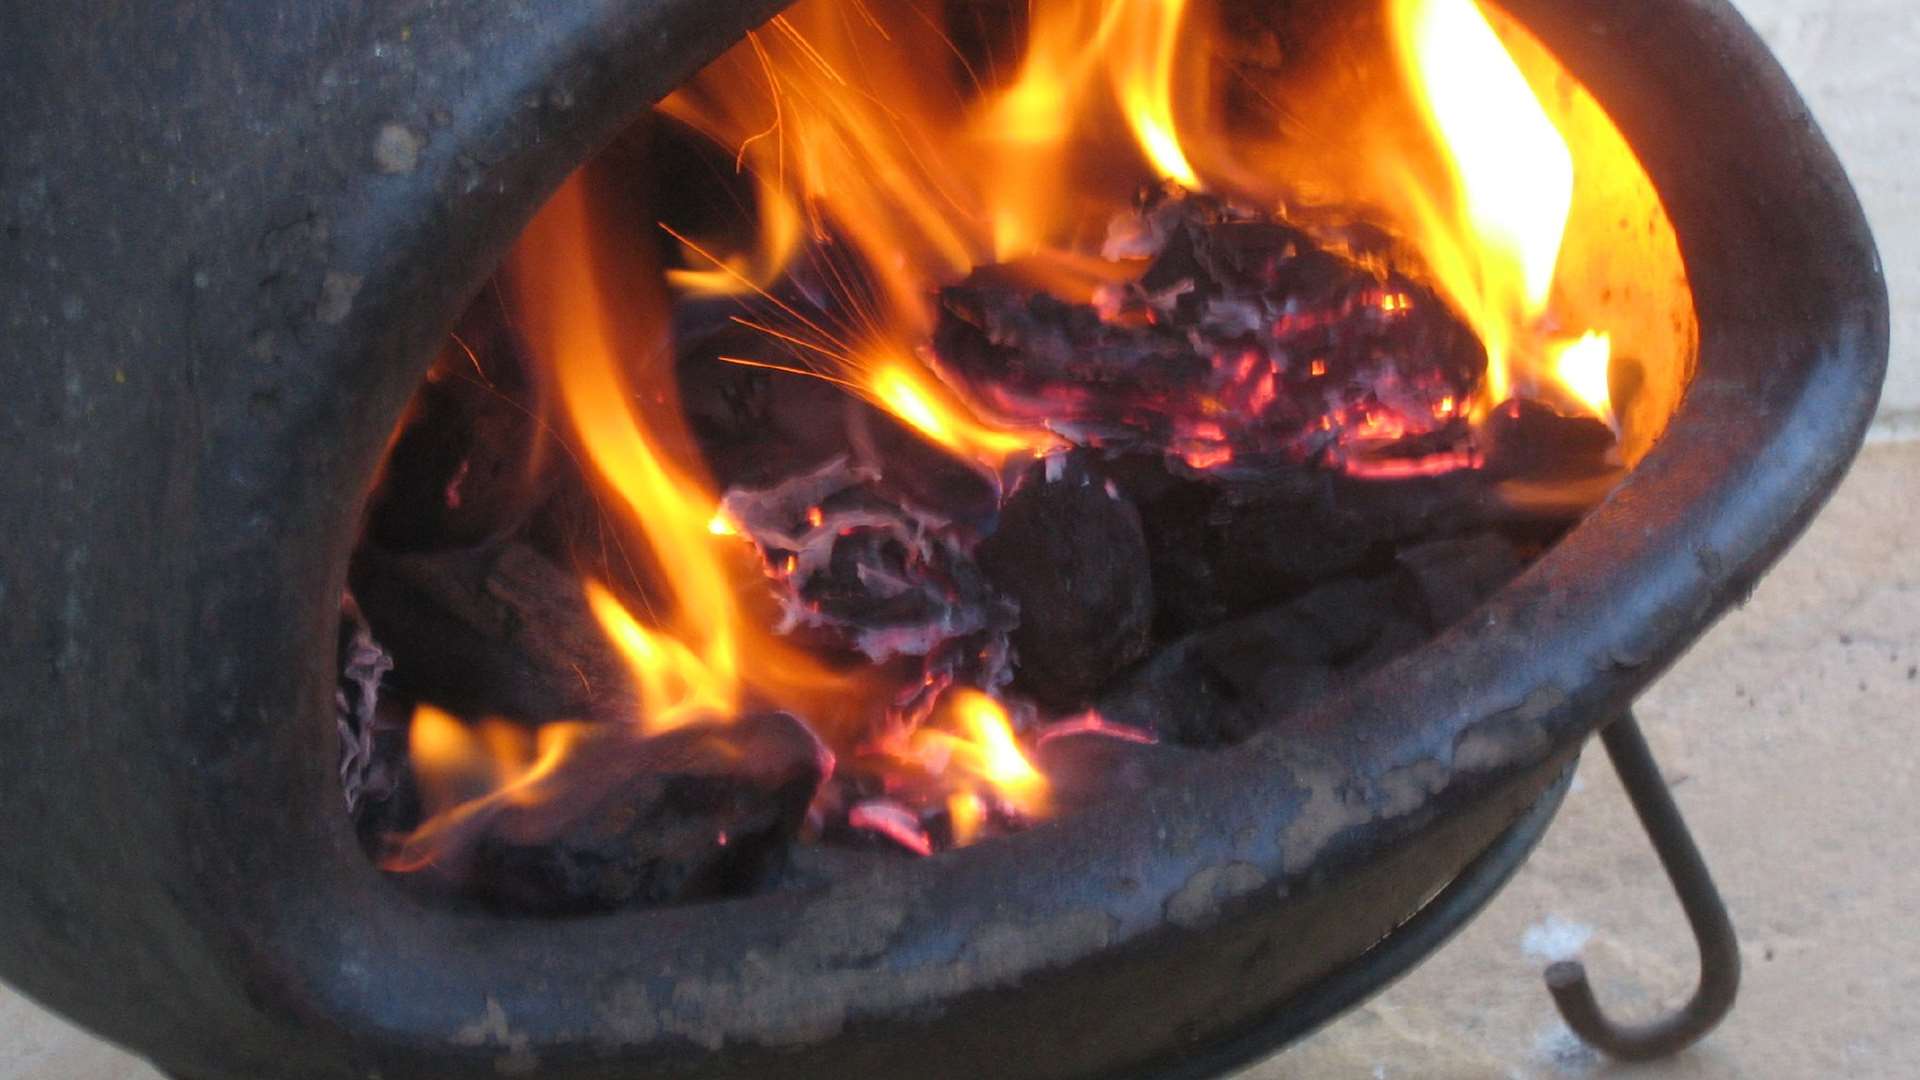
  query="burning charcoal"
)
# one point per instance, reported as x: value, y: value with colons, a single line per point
x: 1071, y: 553
x: 492, y: 632
x: 703, y: 811
x: 1442, y: 580
x: 892, y: 820
x: 858, y: 569
x: 1240, y: 339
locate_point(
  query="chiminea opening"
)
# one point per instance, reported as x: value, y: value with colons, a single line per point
x: 921, y: 426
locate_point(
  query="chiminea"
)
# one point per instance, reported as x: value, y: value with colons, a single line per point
x: 239, y: 237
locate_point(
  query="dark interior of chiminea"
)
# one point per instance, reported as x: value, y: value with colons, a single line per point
x: 935, y: 418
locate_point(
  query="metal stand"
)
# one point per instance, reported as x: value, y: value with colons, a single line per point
x: 1395, y: 955
x: 1712, y: 929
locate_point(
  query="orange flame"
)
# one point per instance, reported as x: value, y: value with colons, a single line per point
x: 882, y: 157
x: 737, y: 275
x: 1143, y: 81
x: 843, y: 114
x: 1494, y: 246
x: 705, y: 655
x: 571, y: 327
x: 980, y: 745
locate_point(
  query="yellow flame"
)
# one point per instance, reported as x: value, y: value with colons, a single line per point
x: 1494, y: 250
x: 911, y: 393
x: 737, y: 275
x: 570, y: 325
x: 1143, y: 81
x: 966, y: 814
x: 1001, y: 761
x: 610, y: 359
x: 1581, y: 370
x: 445, y: 756
x: 676, y: 684
x: 982, y: 747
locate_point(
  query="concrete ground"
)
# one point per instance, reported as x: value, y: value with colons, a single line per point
x: 1785, y: 734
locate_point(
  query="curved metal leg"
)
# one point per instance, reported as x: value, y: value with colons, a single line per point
x: 1719, y: 950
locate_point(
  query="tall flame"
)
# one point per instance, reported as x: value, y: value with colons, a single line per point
x: 1494, y: 245
x: 571, y: 324
x: 699, y: 655
x: 1143, y: 82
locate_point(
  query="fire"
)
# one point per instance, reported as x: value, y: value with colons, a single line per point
x: 978, y: 743
x: 1494, y: 245
x: 884, y: 165
x: 1143, y: 82
x: 571, y: 324
x: 1582, y: 369
x: 844, y: 131
x: 471, y: 774
x: 910, y: 393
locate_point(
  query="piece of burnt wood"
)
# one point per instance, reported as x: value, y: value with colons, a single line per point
x: 757, y: 427
x: 1529, y: 440
x: 853, y: 567
x: 1239, y: 337
x: 497, y: 631
x: 1069, y: 550
x: 703, y: 811
x: 1441, y: 581
x: 473, y: 458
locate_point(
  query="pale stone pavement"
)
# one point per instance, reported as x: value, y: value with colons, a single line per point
x: 1786, y: 733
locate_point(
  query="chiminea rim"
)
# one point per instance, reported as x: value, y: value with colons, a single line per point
x: 252, y: 936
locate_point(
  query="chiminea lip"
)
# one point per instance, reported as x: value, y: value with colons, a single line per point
x: 254, y: 936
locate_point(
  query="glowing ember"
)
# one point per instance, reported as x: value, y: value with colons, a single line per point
x: 1092, y: 723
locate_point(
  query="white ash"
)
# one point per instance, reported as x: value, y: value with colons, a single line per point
x: 878, y: 574
x: 363, y: 663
